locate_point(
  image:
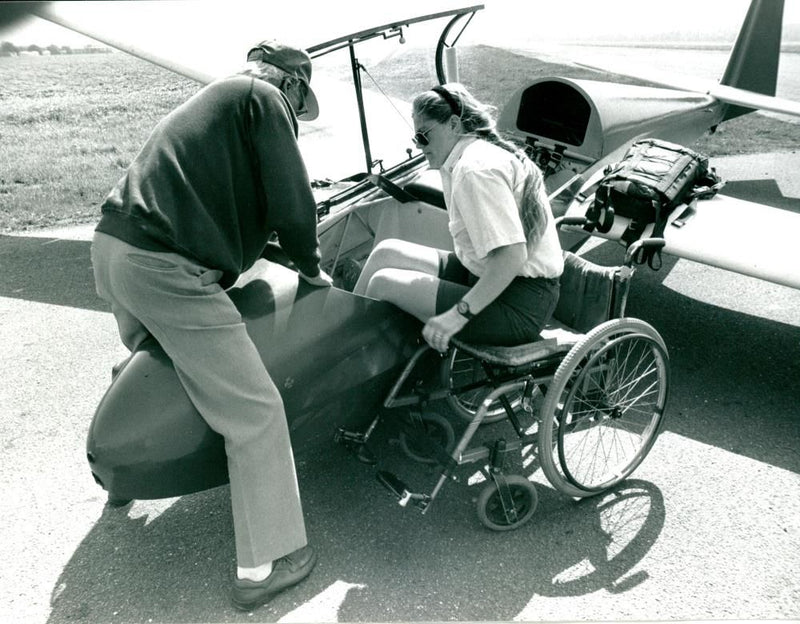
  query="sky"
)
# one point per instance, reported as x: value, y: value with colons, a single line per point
x: 529, y: 19
x: 580, y: 19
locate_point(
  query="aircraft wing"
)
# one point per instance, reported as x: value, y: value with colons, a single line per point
x: 207, y: 39
x: 743, y: 236
x: 742, y: 97
x: 723, y: 93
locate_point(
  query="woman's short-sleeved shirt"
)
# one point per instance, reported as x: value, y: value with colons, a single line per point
x: 483, y: 186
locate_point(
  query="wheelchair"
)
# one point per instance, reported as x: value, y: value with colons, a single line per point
x: 594, y: 388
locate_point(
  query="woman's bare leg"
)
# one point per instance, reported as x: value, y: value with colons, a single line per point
x: 412, y: 291
x: 397, y: 254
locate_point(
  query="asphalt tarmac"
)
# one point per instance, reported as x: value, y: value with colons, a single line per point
x: 707, y: 528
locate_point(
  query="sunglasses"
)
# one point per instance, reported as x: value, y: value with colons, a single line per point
x: 421, y: 138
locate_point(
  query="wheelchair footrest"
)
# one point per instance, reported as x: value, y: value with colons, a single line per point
x: 356, y: 442
x: 400, y: 490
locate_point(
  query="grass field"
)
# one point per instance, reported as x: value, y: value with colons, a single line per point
x: 70, y: 125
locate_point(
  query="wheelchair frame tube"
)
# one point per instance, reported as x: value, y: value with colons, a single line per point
x: 458, y: 452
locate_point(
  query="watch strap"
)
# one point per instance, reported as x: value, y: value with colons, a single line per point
x: 462, y: 307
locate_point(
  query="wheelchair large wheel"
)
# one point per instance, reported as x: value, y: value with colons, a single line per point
x: 460, y: 370
x: 522, y: 502
x: 605, y: 406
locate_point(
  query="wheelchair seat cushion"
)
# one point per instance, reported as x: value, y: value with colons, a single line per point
x: 556, y: 339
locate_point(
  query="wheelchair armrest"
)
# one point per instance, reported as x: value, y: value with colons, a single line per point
x: 642, y: 243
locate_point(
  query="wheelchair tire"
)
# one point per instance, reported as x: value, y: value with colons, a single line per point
x: 490, y: 506
x: 459, y: 369
x: 604, y: 409
x: 440, y: 431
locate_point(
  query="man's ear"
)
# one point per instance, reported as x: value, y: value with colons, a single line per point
x: 282, y: 85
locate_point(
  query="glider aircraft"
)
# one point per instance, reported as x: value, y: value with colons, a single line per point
x: 146, y: 439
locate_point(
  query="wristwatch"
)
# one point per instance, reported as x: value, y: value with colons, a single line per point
x: 462, y: 307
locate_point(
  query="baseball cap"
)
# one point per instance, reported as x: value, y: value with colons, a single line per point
x: 295, y: 62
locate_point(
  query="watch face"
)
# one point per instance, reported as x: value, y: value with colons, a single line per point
x: 463, y: 308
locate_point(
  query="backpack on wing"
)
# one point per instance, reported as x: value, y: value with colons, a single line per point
x: 652, y: 179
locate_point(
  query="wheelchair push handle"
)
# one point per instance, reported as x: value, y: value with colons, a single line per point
x: 633, y: 253
x: 638, y: 247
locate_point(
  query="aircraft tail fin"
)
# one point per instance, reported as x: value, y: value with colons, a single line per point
x: 753, y: 63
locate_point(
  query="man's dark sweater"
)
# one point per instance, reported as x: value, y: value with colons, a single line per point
x: 215, y: 178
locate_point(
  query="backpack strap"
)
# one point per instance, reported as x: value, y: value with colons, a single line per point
x: 600, y: 214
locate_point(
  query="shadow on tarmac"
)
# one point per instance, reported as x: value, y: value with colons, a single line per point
x: 763, y: 191
x: 177, y: 566
x: 748, y: 364
x: 396, y: 564
x: 48, y: 270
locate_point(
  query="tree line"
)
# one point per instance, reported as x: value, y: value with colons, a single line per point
x: 9, y: 49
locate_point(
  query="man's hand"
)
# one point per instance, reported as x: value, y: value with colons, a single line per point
x: 323, y: 279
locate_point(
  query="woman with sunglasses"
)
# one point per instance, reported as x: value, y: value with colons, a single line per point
x: 501, y: 283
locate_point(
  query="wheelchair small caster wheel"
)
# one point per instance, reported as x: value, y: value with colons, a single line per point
x: 422, y: 440
x: 521, y: 502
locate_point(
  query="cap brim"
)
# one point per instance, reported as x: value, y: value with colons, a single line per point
x: 312, y: 106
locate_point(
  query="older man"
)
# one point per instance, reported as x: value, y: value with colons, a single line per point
x: 195, y: 209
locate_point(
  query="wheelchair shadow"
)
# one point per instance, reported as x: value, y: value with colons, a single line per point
x: 614, y: 532
x: 378, y: 562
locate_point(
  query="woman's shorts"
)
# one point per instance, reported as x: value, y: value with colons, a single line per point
x: 515, y: 317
